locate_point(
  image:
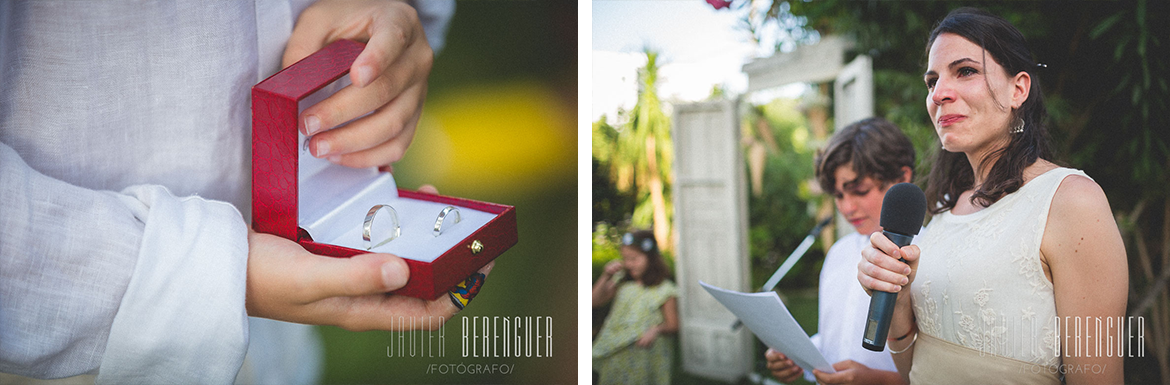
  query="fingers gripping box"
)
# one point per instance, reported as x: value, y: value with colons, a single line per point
x: 323, y: 206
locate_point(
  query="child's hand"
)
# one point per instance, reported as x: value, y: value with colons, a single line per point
x: 782, y: 367
x: 848, y: 372
x: 648, y: 337
x: 613, y: 267
x: 389, y: 80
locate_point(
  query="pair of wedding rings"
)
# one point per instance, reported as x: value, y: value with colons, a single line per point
x: 397, y: 231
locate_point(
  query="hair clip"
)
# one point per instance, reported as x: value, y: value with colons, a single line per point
x: 1041, y: 65
x: 646, y: 246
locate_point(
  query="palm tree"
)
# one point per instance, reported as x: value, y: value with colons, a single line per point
x: 642, y: 154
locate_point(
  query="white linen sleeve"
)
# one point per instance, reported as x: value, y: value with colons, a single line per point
x: 435, y: 17
x: 139, y: 286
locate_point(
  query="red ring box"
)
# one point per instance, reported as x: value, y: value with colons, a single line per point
x: 298, y: 197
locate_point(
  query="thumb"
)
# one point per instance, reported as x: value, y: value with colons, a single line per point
x: 910, y: 253
x: 429, y: 189
x: 360, y: 275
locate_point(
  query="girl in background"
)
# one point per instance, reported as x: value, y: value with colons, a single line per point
x: 628, y: 350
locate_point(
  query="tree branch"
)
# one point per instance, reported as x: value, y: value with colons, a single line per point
x: 1157, y: 288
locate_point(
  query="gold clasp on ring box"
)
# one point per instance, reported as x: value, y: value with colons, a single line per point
x: 475, y: 247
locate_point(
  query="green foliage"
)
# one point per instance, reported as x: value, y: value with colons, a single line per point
x: 606, y: 245
x: 1130, y: 102
x: 611, y: 204
x: 623, y: 151
x: 900, y: 98
x: 605, y: 138
x: 648, y: 121
x: 779, y: 219
x: 1107, y: 85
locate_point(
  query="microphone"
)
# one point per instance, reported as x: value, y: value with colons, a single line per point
x: 903, y: 209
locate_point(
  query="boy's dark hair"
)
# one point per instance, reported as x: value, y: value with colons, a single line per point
x: 876, y: 147
x: 656, y: 270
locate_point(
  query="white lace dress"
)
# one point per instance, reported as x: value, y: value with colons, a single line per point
x: 980, y: 283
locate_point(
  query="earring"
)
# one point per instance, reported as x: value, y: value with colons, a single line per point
x: 1018, y: 127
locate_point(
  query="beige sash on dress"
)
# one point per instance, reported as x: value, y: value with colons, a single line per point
x: 937, y: 361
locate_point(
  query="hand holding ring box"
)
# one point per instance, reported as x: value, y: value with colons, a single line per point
x: 321, y: 205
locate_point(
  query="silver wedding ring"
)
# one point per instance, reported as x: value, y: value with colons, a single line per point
x: 443, y: 215
x: 369, y: 222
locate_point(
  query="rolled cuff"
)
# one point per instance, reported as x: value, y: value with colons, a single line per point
x: 182, y: 319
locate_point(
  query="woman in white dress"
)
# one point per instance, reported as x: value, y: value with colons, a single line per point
x: 1015, y: 242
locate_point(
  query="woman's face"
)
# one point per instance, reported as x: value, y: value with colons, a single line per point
x: 634, y: 261
x: 970, y: 98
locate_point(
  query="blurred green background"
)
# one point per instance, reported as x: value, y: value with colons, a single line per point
x: 498, y: 126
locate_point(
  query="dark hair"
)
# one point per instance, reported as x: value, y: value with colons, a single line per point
x: 656, y: 270
x: 876, y: 147
x: 952, y: 173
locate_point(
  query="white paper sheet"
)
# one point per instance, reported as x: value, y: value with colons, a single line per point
x: 767, y: 317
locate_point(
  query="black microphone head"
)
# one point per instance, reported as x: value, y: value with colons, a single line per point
x: 903, y: 209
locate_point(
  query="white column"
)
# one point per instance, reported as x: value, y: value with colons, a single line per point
x: 853, y: 101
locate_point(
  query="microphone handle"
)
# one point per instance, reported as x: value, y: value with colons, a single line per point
x: 881, y: 307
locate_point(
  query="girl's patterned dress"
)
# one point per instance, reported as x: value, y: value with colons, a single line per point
x: 615, y: 357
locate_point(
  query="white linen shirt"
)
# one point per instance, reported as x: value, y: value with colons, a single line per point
x: 125, y: 165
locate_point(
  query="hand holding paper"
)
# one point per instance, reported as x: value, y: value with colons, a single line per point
x: 769, y: 319
x: 782, y: 368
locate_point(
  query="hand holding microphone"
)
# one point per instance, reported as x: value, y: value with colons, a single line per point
x: 890, y: 261
x: 886, y: 267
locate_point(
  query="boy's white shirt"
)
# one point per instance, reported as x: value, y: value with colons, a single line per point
x: 843, y: 306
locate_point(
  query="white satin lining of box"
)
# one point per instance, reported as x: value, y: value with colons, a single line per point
x: 335, y: 200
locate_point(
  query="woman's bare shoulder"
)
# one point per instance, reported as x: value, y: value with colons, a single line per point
x: 1038, y: 168
x: 1079, y: 207
x: 1077, y: 192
